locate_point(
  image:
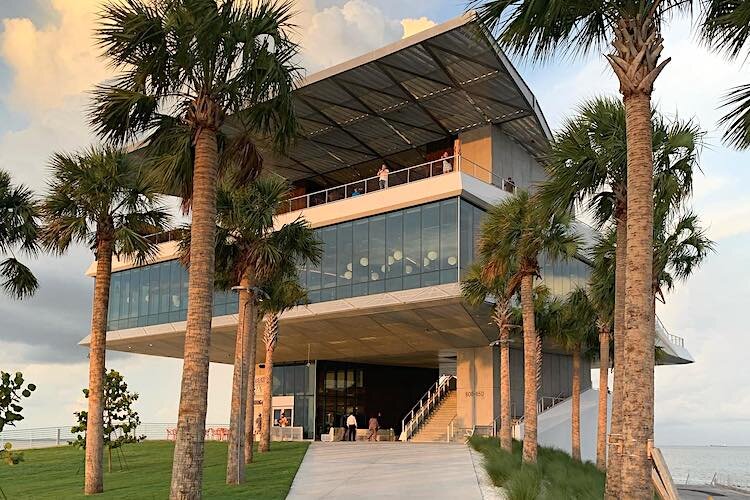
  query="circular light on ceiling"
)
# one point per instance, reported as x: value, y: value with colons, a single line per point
x: 452, y: 260
x: 363, y: 261
x: 398, y: 255
x: 432, y: 255
x: 375, y: 276
x: 426, y: 262
x: 391, y: 260
x: 348, y: 275
x: 349, y: 266
x: 409, y: 269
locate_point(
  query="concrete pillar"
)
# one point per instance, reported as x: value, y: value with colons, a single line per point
x: 477, y: 386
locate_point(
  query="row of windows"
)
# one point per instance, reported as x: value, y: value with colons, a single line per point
x: 409, y: 248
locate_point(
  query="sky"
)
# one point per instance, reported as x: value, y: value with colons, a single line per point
x: 48, y: 63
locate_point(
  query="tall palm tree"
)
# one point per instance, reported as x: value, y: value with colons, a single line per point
x: 249, y: 251
x: 100, y: 198
x: 185, y: 66
x: 601, y: 292
x: 633, y: 27
x: 515, y: 232
x: 283, y: 291
x: 588, y: 170
x: 19, y: 231
x: 725, y: 28
x: 477, y: 287
x: 575, y: 332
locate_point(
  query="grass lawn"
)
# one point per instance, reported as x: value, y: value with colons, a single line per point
x: 54, y: 473
x: 555, y: 476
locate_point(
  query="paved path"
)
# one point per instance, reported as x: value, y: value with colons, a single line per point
x: 386, y: 470
x: 697, y: 492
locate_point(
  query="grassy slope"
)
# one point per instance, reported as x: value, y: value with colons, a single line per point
x: 54, y: 473
x: 555, y: 476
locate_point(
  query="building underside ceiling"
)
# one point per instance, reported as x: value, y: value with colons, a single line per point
x: 427, y: 88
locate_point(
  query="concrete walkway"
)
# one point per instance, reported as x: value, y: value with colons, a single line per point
x: 386, y: 470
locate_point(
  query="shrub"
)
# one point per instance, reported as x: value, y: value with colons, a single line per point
x: 525, y: 483
x: 10, y: 457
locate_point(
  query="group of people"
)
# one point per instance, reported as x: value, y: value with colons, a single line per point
x: 373, y: 426
x: 384, y: 171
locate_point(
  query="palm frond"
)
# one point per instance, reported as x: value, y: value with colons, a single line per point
x: 17, y: 280
x: 737, y: 118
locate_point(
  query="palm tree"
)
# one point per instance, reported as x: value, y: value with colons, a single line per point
x: 726, y: 28
x: 248, y: 252
x: 515, y: 232
x: 602, y: 296
x: 575, y: 332
x: 100, y: 198
x: 283, y: 291
x: 185, y: 66
x: 476, y: 287
x: 19, y: 230
x: 542, y: 28
x: 588, y: 169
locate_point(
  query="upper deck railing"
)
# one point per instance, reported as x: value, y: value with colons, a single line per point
x: 407, y: 175
x: 674, y: 339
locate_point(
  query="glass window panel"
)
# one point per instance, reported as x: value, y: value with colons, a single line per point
x: 431, y: 279
x: 359, y: 290
x: 145, y: 292
x: 184, y: 286
x: 394, y: 243
x: 466, y: 234
x: 413, y: 241
x: 413, y: 281
x: 344, y: 254
x: 430, y: 237
x: 135, y: 283
x: 377, y: 248
x: 328, y: 236
x: 164, y: 278
x: 174, y: 286
x: 393, y: 284
x: 448, y: 276
x: 343, y: 292
x: 449, y: 234
x: 154, y: 289
x: 313, y: 272
x: 361, y: 260
x: 114, y: 300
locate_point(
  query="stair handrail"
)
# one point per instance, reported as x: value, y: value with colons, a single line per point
x: 424, y: 406
x: 449, y: 430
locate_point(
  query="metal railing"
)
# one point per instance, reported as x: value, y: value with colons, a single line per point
x: 407, y: 175
x: 673, y: 339
x: 422, y: 409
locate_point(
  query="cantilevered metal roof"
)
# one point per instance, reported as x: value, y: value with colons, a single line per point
x: 424, y: 88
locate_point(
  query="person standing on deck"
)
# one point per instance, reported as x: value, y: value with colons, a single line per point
x: 383, y: 176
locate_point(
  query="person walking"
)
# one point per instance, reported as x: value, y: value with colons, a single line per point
x: 258, y: 424
x: 373, y: 426
x: 351, y: 427
x: 383, y: 176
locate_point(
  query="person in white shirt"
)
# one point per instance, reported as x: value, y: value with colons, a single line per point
x: 351, y: 428
x: 447, y: 167
x: 383, y: 176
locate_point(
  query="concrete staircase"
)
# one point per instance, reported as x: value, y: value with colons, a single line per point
x: 435, y: 429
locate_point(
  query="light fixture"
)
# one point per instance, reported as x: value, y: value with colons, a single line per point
x: 398, y: 255
x: 363, y: 261
x: 426, y: 262
x: 349, y: 266
x: 382, y: 268
x: 432, y: 255
x: 308, y: 355
x: 452, y: 260
x: 348, y: 275
x: 391, y: 260
x: 408, y: 269
x: 375, y: 276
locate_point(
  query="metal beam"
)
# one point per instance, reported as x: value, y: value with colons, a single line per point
x: 384, y: 68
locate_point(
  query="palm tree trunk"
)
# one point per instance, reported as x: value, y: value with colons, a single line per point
x: 236, y: 452
x: 265, y: 435
x: 638, y: 401
x: 506, y: 440
x: 94, y: 481
x: 575, y: 417
x: 601, y: 431
x: 251, y: 327
x: 614, y: 455
x: 187, y: 468
x: 529, y: 370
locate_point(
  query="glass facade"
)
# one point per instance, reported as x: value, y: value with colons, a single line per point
x: 341, y: 390
x: 155, y: 294
x: 410, y: 248
x: 298, y: 381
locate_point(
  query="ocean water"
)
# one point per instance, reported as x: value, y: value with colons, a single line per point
x: 699, y: 464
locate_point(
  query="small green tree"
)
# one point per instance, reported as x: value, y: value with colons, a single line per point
x: 12, y: 390
x: 120, y: 419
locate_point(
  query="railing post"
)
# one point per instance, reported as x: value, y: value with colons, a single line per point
x: 57, y: 441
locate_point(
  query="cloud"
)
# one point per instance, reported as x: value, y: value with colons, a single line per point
x: 414, y: 26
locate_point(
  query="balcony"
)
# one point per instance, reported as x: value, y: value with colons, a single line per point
x: 400, y: 177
